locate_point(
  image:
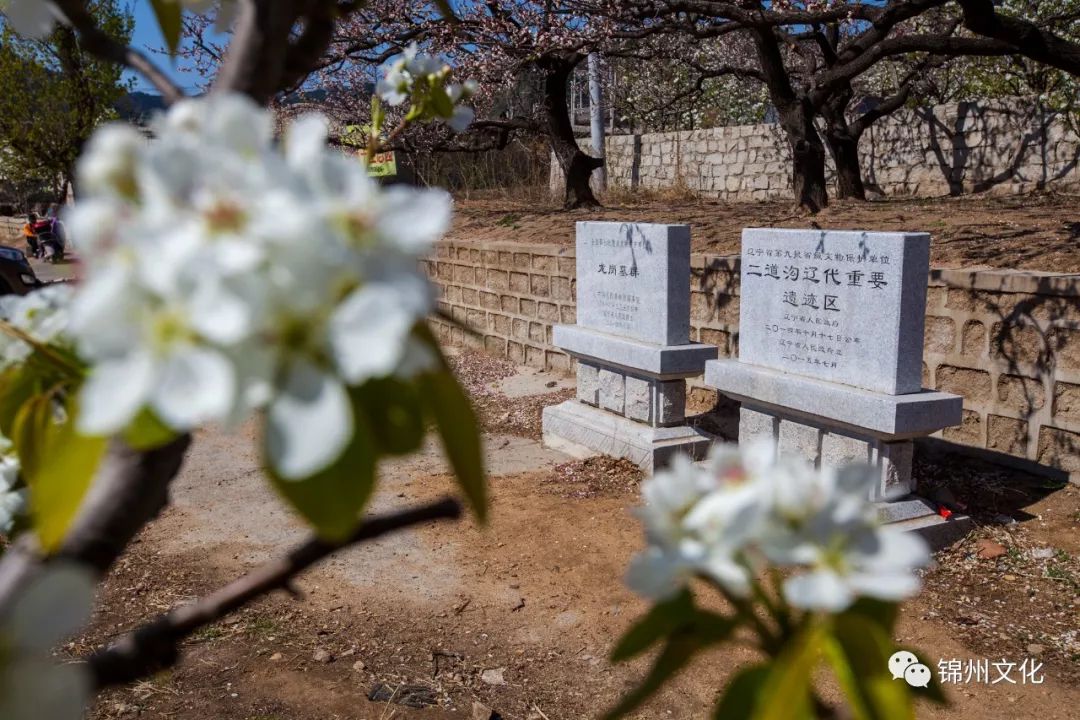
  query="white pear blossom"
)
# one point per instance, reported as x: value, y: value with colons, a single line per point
x: 12, y: 498
x: 41, y: 315
x: 226, y: 274
x: 32, y: 684
x: 746, y: 509
x: 414, y: 73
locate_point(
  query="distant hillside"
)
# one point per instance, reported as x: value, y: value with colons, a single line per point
x: 139, y: 107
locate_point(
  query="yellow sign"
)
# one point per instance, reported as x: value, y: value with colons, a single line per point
x: 384, y: 164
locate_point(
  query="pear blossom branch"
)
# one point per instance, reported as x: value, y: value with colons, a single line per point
x: 154, y: 646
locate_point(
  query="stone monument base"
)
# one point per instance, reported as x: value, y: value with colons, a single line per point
x: 831, y: 425
x: 920, y: 516
x: 582, y: 430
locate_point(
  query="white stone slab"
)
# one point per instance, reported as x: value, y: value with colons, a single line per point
x: 843, y: 306
x: 633, y: 279
x: 675, y: 361
x: 577, y: 428
x: 889, y: 417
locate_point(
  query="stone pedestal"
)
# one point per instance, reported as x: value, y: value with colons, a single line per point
x: 631, y: 399
x: 832, y: 425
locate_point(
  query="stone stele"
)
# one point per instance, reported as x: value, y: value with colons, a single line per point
x: 631, y: 342
x: 847, y: 307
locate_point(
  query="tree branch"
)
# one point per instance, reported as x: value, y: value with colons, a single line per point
x: 1039, y: 44
x: 154, y: 646
x: 129, y: 489
x: 99, y: 44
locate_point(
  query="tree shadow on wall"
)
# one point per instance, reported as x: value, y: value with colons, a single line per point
x: 1028, y: 339
x: 956, y: 164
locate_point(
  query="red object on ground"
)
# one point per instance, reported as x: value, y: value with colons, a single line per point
x: 944, y: 512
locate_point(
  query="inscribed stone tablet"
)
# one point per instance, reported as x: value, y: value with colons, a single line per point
x: 633, y: 279
x: 843, y: 306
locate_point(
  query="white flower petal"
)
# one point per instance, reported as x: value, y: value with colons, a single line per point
x: 309, y: 423
x: 193, y: 386
x: 818, y: 590
x: 114, y: 393
x: 656, y: 574
x: 413, y: 219
x: 368, y: 332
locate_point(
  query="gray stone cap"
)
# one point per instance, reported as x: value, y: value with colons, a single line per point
x: 662, y: 361
x: 889, y: 417
x: 1033, y: 282
x: 803, y: 233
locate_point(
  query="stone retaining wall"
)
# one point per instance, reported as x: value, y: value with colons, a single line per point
x: 1005, y: 146
x: 1008, y: 341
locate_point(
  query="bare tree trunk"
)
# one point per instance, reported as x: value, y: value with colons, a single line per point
x: 845, y: 153
x: 577, y: 167
x: 797, y: 120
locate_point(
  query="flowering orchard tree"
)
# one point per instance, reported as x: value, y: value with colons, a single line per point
x: 228, y: 277
x: 523, y: 53
x: 808, y: 573
x: 808, y: 54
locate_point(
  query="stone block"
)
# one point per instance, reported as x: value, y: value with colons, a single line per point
x: 893, y: 460
x: 677, y: 361
x: 612, y: 390
x: 639, y: 394
x: 799, y: 440
x: 1007, y: 435
x: 1021, y: 395
x: 578, y: 429
x: 669, y: 403
x: 891, y: 417
x: 757, y: 426
x: 838, y: 450
x: 588, y: 383
x: 843, y: 306
x: 970, y: 383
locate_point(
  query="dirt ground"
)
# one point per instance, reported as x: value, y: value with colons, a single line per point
x: 519, y: 617
x: 1031, y: 232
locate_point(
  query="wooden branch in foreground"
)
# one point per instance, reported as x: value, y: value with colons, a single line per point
x: 154, y: 646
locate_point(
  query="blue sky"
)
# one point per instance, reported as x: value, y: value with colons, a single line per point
x: 147, y: 35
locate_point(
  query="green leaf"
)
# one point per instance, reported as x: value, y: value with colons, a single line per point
x: 147, y: 432
x: 458, y: 427
x: 395, y: 412
x: 441, y: 102
x: 881, y: 612
x: 859, y: 651
x: 170, y: 20
x: 457, y: 424
x: 17, y: 386
x: 742, y: 694
x: 58, y: 464
x: 332, y: 500
x: 785, y: 694
x: 662, y: 620
x: 675, y: 655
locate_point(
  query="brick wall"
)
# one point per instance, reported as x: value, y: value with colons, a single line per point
x: 1004, y: 146
x: 1008, y: 341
